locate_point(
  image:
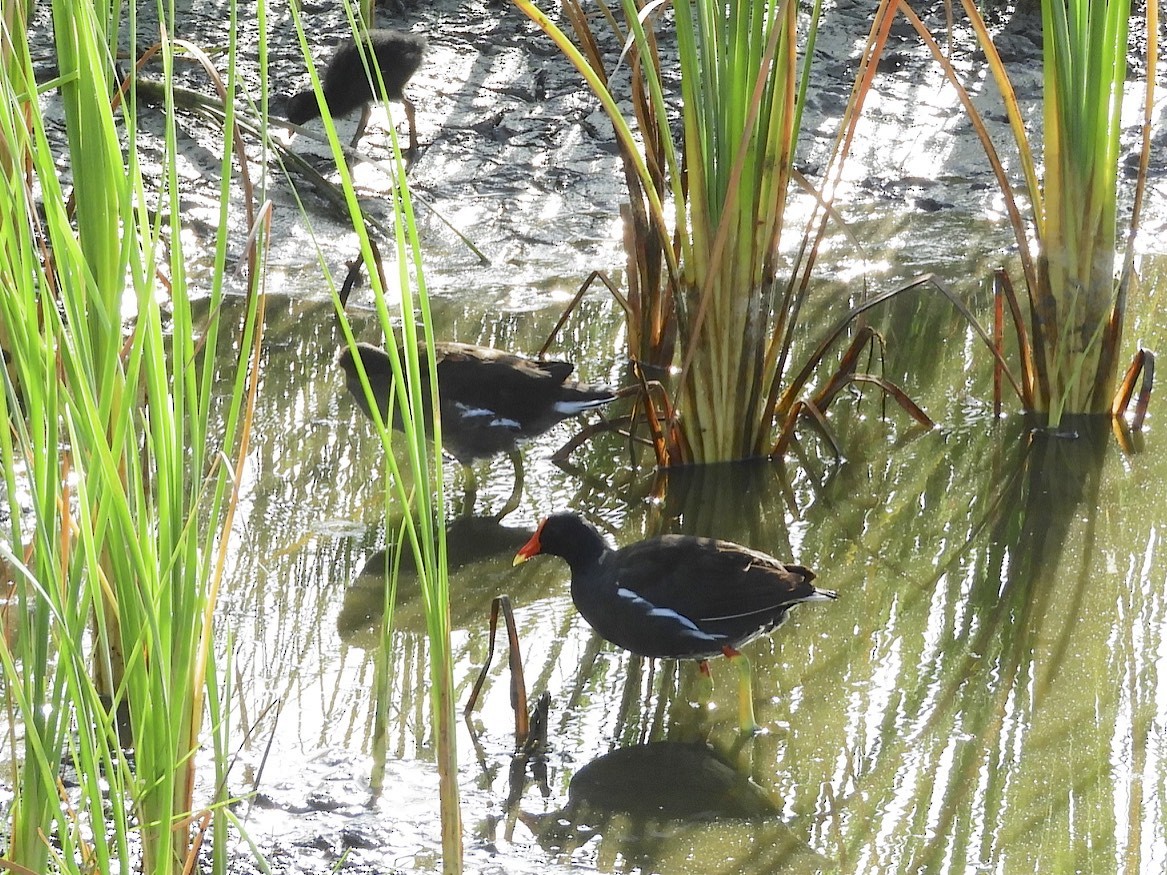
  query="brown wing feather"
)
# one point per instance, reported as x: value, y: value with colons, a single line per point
x: 512, y: 387
x: 711, y: 581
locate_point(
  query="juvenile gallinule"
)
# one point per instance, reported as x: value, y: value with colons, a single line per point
x: 489, y: 399
x: 676, y: 596
x: 347, y: 85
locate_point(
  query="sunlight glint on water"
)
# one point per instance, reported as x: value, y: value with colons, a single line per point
x: 984, y: 696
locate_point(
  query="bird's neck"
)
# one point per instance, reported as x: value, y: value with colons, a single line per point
x: 587, y: 550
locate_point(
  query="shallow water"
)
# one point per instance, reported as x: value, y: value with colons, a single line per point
x: 987, y: 694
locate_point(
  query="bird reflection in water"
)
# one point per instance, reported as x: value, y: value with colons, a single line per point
x: 650, y: 806
x: 482, y: 542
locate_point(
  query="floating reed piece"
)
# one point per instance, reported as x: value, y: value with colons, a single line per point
x: 502, y: 604
x: 1142, y: 365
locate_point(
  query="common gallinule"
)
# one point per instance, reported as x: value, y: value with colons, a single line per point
x: 347, y: 85
x: 489, y: 399
x: 676, y: 596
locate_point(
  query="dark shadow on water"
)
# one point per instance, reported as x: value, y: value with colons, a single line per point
x: 480, y: 552
x: 1060, y: 479
x: 1025, y: 613
x: 667, y: 780
x: 736, y: 501
x: 1063, y: 473
x: 654, y: 804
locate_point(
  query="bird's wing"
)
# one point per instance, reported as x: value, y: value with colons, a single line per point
x: 474, y: 416
x: 512, y: 387
x: 556, y: 370
x: 709, y: 581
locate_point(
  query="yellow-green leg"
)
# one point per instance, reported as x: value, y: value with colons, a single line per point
x: 470, y: 490
x: 706, y: 678
x: 745, y: 692
x: 517, y: 490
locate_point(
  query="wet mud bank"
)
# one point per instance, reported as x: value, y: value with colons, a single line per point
x: 517, y: 155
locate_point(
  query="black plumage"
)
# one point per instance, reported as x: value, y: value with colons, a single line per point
x: 674, y: 596
x: 489, y: 399
x: 348, y: 86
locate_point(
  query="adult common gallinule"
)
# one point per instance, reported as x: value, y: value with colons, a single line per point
x: 347, y: 85
x: 489, y: 400
x: 676, y: 596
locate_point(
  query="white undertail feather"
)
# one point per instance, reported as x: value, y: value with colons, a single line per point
x: 570, y: 408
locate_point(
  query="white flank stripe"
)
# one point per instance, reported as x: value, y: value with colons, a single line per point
x: 468, y: 412
x: 667, y: 613
x: 670, y: 613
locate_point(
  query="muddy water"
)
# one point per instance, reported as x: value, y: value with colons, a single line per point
x: 988, y: 693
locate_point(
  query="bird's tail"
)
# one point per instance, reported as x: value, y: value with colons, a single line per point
x: 580, y: 397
